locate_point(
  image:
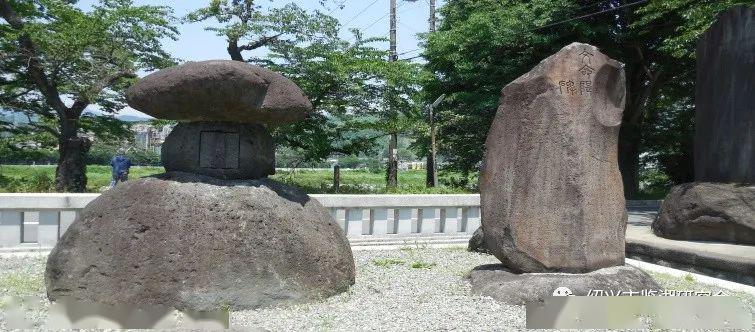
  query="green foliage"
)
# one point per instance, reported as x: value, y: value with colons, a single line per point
x: 482, y: 45
x: 479, y: 47
x: 654, y: 184
x: 244, y: 20
x: 53, y: 52
x: 94, y: 54
x: 357, y: 95
x: 101, y: 154
x: 669, y: 133
x: 694, y: 17
x: 10, y: 153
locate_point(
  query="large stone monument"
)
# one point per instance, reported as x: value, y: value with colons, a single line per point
x: 552, y: 200
x: 725, y: 99
x: 720, y: 205
x: 213, y: 231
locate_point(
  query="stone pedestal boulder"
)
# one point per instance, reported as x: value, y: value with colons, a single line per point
x: 708, y: 212
x: 551, y: 193
x: 198, y: 243
x: 507, y: 287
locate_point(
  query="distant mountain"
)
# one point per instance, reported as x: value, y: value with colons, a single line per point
x: 132, y: 118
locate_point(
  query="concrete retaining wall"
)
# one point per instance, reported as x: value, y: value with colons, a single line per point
x: 40, y: 219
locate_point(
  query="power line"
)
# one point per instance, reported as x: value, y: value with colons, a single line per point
x: 360, y: 13
x: 409, y: 51
x: 338, y: 6
x: 560, y: 22
x: 383, y: 17
x: 589, y: 15
x: 408, y: 27
x: 376, y: 21
x: 412, y: 58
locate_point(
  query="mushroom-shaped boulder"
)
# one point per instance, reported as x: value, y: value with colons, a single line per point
x: 219, y: 90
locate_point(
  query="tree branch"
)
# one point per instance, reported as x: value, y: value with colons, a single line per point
x: 34, y: 66
x: 84, y: 100
x: 260, y: 42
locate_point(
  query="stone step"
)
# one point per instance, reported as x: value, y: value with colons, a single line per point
x: 720, y: 260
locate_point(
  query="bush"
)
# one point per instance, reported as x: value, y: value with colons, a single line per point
x: 654, y: 184
x: 38, y: 181
x: 100, y: 154
x: 9, y: 155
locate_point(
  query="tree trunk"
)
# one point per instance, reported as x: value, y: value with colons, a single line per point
x: 430, y: 179
x: 629, y: 159
x: 70, y: 175
x: 336, y: 178
x: 234, y: 51
x: 392, y: 170
x: 641, y: 86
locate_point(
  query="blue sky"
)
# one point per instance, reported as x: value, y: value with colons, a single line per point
x: 195, y: 43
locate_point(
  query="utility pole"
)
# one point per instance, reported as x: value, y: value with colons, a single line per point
x: 393, y: 142
x: 432, y: 16
x: 431, y: 179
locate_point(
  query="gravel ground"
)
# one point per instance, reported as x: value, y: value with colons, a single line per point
x: 396, y: 290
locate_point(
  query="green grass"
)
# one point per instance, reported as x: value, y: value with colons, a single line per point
x: 361, y: 182
x: 386, y: 262
x: 422, y: 265
x: 21, y: 284
x: 26, y: 178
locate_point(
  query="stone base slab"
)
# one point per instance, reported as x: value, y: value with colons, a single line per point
x: 496, y: 281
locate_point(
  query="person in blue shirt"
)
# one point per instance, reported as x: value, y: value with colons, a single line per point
x: 121, y: 166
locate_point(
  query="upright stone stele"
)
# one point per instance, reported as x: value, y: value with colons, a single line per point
x: 720, y: 205
x: 551, y: 193
x: 553, y: 208
x: 725, y: 99
x: 213, y: 231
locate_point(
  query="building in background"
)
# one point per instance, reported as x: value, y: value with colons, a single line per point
x: 150, y: 137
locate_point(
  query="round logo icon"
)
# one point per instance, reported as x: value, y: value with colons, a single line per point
x: 562, y: 291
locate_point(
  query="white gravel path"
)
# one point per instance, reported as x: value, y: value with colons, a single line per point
x: 391, y: 295
x: 413, y: 289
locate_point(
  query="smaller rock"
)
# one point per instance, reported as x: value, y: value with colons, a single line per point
x: 219, y: 90
x: 477, y: 242
x: 223, y: 150
x: 704, y: 211
x: 501, y: 284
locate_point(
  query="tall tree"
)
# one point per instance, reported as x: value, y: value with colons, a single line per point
x: 246, y: 26
x: 667, y: 139
x: 348, y: 81
x: 58, y: 60
x: 482, y: 45
x: 345, y: 82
